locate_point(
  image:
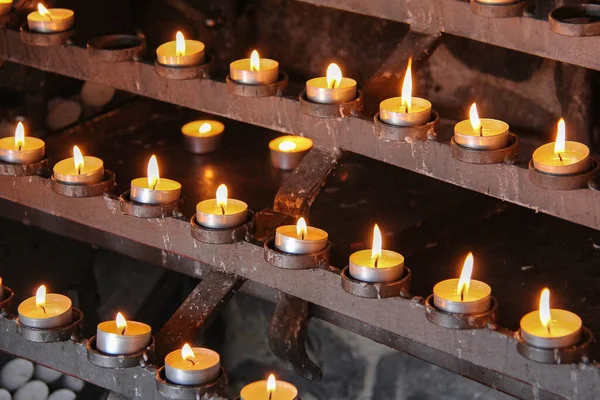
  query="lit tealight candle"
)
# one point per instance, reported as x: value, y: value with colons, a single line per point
x: 550, y: 328
x: 332, y: 88
x: 221, y: 212
x: 21, y: 149
x: 481, y: 133
x: 5, y: 6
x: 463, y: 295
x: 254, y: 70
x: 288, y: 151
x: 300, y: 238
x: 376, y: 265
x: 405, y: 110
x: 203, y: 136
x: 153, y: 189
x: 79, y: 169
x: 192, y: 366
x: 181, y: 52
x: 52, y: 20
x: 46, y: 311
x: 562, y: 157
x: 120, y: 336
x: 270, y: 389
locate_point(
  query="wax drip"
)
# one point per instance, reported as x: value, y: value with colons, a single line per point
x: 123, y: 331
x: 222, y: 210
x: 43, y: 309
x: 559, y: 156
x: 333, y: 83
x: 376, y: 262
x: 481, y: 130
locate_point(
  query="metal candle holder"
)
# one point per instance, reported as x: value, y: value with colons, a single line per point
x: 427, y: 131
x: 460, y: 321
x: 181, y: 392
x: 378, y: 290
x: 225, y: 235
x: 563, y: 182
x: 506, y: 154
x: 563, y: 355
x: 141, y: 210
x: 245, y: 90
x: 78, y: 190
x: 45, y: 39
x: 561, y: 20
x: 39, y: 168
x: 333, y: 110
x: 184, y: 72
x: 6, y: 300
x: 280, y: 259
x: 116, y: 48
x: 490, y: 9
x: 58, y: 334
x: 105, y: 360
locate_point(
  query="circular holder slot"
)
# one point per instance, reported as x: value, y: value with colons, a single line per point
x: 45, y: 39
x: 181, y: 392
x: 563, y: 355
x: 104, y: 360
x: 39, y: 168
x: 116, y: 48
x: 377, y: 290
x: 563, y: 182
x: 6, y: 300
x: 59, y: 334
x: 272, y: 89
x: 408, y: 134
x: 506, y: 154
x: 280, y: 259
x: 460, y: 321
x: 180, y: 73
x: 334, y: 110
x: 498, y: 10
x: 576, y: 20
x: 96, y: 189
x: 141, y: 210
x: 226, y: 235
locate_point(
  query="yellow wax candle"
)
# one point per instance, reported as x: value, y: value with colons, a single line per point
x: 120, y: 336
x: 300, y: 238
x: 181, y: 52
x: 562, y: 157
x: 79, y: 169
x: 481, y: 133
x: 221, y: 212
x: 21, y: 149
x: 254, y: 70
x: 192, y: 366
x: 46, y: 311
x: 5, y: 6
x: 203, y: 136
x: 376, y: 265
x: 333, y: 88
x: 50, y: 20
x: 287, y: 151
x: 269, y: 389
x: 153, y: 189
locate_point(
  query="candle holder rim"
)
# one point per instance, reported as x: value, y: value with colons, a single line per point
x: 142, y: 210
x: 281, y: 259
x: 9, y: 295
x: 260, y: 90
x: 331, y: 110
x: 244, y: 232
x: 185, y: 72
x: 558, y: 19
x: 426, y: 131
x: 130, y: 47
x: 34, y: 38
x: 40, y: 168
x: 575, y: 181
x: 498, y: 10
x: 561, y: 355
x: 107, y: 360
x: 400, y: 287
x: 460, y: 321
x: 82, y: 189
x: 469, y: 155
x: 48, y: 335
x: 176, y: 391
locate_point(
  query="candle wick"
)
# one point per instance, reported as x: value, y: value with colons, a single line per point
x: 43, y: 309
x: 79, y: 170
x: 192, y: 361
x: 123, y: 331
x: 376, y: 261
x: 481, y: 130
x: 548, y: 327
x: 20, y: 147
x: 333, y: 83
x: 222, y: 210
x: 559, y: 156
x: 154, y: 186
x: 462, y: 293
x: 270, y: 395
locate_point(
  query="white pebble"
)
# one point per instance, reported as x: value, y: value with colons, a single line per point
x: 15, y: 374
x: 47, y: 375
x: 34, y: 390
x: 5, y: 395
x: 73, y: 383
x: 62, y: 394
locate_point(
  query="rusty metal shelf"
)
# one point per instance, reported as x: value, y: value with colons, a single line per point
x: 485, y: 355
x: 433, y: 159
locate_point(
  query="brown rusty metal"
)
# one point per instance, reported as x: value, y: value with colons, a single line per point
x: 6, y: 301
x: 116, y: 48
x: 279, y: 259
x: 211, y: 390
x: 97, y: 189
x: 226, y: 235
x: 379, y: 290
x: 184, y: 73
x: 336, y: 110
x: 499, y: 10
x: 564, y: 182
x: 507, y: 154
x: 576, y: 20
x: 564, y: 355
x: 130, y: 207
x: 39, y: 168
x: 59, y: 334
x: 105, y: 360
x: 460, y: 321
x: 273, y: 89
x: 407, y: 134
x: 45, y: 39
x: 197, y: 311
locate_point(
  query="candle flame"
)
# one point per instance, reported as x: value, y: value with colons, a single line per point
x: 40, y: 296
x: 271, y: 384
x: 465, y: 276
x: 377, y: 243
x: 334, y: 76
x: 561, y: 133
x: 301, y: 228
x: 287, y: 145
x: 545, y: 308
x: 222, y: 195
x: 179, y: 44
x: 407, y: 87
x: 254, y: 61
x: 205, y: 128
x: 121, y: 321
x: 187, y: 353
x: 20, y: 136
x: 474, y: 118
x: 153, y: 176
x: 77, y: 158
x: 43, y: 10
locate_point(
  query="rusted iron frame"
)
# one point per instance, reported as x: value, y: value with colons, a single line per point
x: 506, y: 182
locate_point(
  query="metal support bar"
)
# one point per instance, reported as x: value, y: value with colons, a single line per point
x: 197, y: 311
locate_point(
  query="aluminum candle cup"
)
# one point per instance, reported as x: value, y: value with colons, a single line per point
x: 54, y: 313
x: 32, y: 151
x: 565, y: 329
x: 288, y: 241
x: 267, y: 73
x: 205, y: 367
x: 476, y: 300
x: 390, y: 266
x: 287, y: 151
x: 110, y: 340
x: 58, y: 20
x: 574, y: 159
x: 166, y: 54
x: 164, y: 192
x: 202, y: 137
x: 91, y: 172
x: 258, y: 391
x: 498, y: 2
x: 210, y: 215
x: 318, y: 91
x: 392, y: 111
x: 493, y: 136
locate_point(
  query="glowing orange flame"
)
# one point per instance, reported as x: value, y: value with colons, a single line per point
x: 40, y: 296
x: 545, y: 317
x: 561, y: 133
x: 43, y: 10
x: 407, y: 87
x: 121, y: 321
x: 205, y: 128
x: 287, y: 145
x: 187, y: 353
x: 222, y: 195
x: 179, y: 44
x: 153, y: 175
x: 377, y: 243
x: 77, y: 158
x: 254, y: 61
x: 334, y: 76
x: 301, y: 228
x: 271, y: 384
x: 465, y: 276
x: 20, y: 136
x: 474, y: 118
